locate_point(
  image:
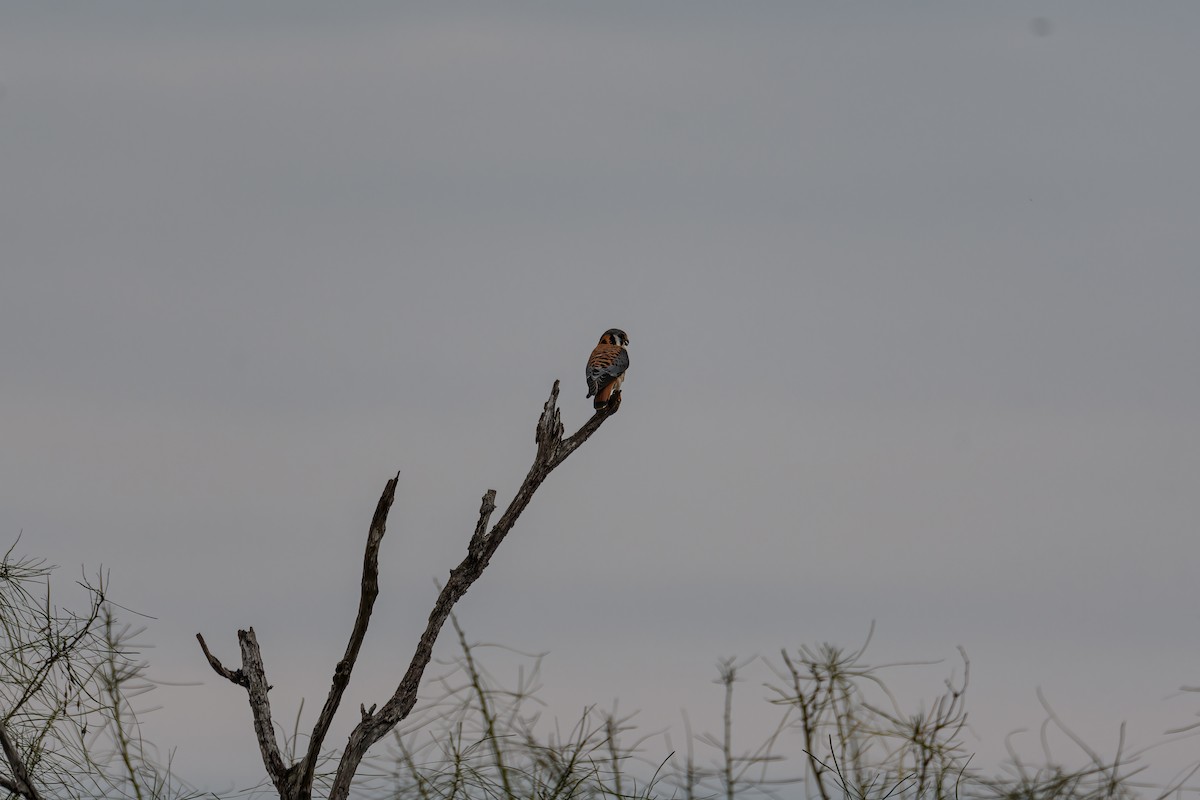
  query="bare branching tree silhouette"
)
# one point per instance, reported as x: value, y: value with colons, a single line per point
x: 295, y: 781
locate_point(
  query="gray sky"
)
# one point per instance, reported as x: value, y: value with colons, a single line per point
x: 911, y: 291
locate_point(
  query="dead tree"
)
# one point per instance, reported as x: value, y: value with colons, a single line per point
x: 295, y: 781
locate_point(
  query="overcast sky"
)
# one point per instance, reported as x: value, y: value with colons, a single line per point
x: 912, y: 292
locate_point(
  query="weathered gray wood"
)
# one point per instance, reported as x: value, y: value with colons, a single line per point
x: 295, y: 782
x: 552, y: 450
x: 257, y: 688
x: 341, y: 674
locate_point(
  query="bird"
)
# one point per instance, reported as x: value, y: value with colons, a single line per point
x: 606, y: 368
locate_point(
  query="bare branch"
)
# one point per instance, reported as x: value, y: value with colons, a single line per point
x: 366, y: 603
x: 260, y: 707
x: 296, y: 781
x: 236, y: 677
x: 485, y: 513
x: 253, y: 677
x: 552, y: 450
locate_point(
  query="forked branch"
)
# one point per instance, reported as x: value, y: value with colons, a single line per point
x: 295, y: 782
x: 552, y: 450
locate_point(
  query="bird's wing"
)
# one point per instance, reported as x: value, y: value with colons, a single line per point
x: 607, y: 363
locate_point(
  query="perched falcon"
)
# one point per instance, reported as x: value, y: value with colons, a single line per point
x: 606, y: 368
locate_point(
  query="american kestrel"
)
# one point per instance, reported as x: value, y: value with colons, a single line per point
x: 606, y: 367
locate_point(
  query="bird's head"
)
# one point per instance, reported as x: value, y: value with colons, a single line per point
x: 615, y: 336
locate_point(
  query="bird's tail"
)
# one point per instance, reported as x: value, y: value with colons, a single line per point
x: 603, y: 396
